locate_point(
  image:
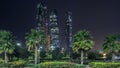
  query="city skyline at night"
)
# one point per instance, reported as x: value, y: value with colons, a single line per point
x: 101, y: 18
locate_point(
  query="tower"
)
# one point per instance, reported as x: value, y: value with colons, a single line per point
x: 41, y: 16
x: 54, y: 30
x: 43, y: 25
x: 68, y: 30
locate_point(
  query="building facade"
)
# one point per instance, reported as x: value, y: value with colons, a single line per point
x: 48, y: 24
x: 42, y: 20
x: 68, y: 30
x: 54, y: 30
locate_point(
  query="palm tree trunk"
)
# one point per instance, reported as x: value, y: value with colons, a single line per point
x: 81, y: 57
x: 6, y: 57
x: 86, y: 56
x: 113, y: 57
x: 36, y: 54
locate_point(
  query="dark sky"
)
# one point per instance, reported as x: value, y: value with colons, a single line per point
x: 100, y: 17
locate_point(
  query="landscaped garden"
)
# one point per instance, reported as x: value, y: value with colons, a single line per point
x: 79, y: 56
x: 105, y: 64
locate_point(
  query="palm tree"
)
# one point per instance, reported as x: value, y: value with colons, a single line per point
x: 112, y: 44
x: 7, y: 44
x: 82, y: 42
x: 33, y: 40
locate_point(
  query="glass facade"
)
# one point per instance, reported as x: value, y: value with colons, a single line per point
x: 54, y: 30
x: 69, y: 29
x: 42, y: 20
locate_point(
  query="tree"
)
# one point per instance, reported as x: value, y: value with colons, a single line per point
x: 75, y: 55
x: 56, y: 54
x: 112, y: 44
x: 43, y: 54
x: 33, y: 40
x: 20, y: 52
x: 93, y: 55
x: 82, y: 42
x: 7, y: 44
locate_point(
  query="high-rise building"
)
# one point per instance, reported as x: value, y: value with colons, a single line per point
x: 42, y: 20
x: 54, y: 30
x: 48, y: 23
x: 68, y: 30
x: 42, y: 16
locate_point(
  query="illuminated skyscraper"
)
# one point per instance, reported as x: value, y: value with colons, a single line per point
x: 48, y: 23
x: 54, y: 30
x: 42, y: 19
x: 69, y: 30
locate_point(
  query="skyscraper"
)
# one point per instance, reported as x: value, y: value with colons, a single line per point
x: 48, y: 23
x: 68, y: 30
x: 54, y: 30
x: 42, y: 19
x: 41, y: 16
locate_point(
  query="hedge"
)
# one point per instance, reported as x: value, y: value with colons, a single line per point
x: 60, y: 65
x: 104, y: 64
x: 18, y: 63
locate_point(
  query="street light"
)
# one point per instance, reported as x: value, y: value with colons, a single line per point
x: 18, y: 44
x: 41, y: 47
x: 52, y: 47
x: 104, y: 55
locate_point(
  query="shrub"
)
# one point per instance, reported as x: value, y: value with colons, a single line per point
x: 60, y: 65
x: 105, y: 64
x: 56, y: 54
x: 1, y: 62
x: 18, y: 63
x: 92, y: 55
x: 43, y: 54
x: 48, y: 55
x: 75, y: 55
x: 31, y: 65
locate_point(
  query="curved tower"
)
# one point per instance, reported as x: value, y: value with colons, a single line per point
x: 54, y: 30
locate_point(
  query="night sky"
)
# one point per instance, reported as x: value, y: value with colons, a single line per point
x: 100, y: 17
